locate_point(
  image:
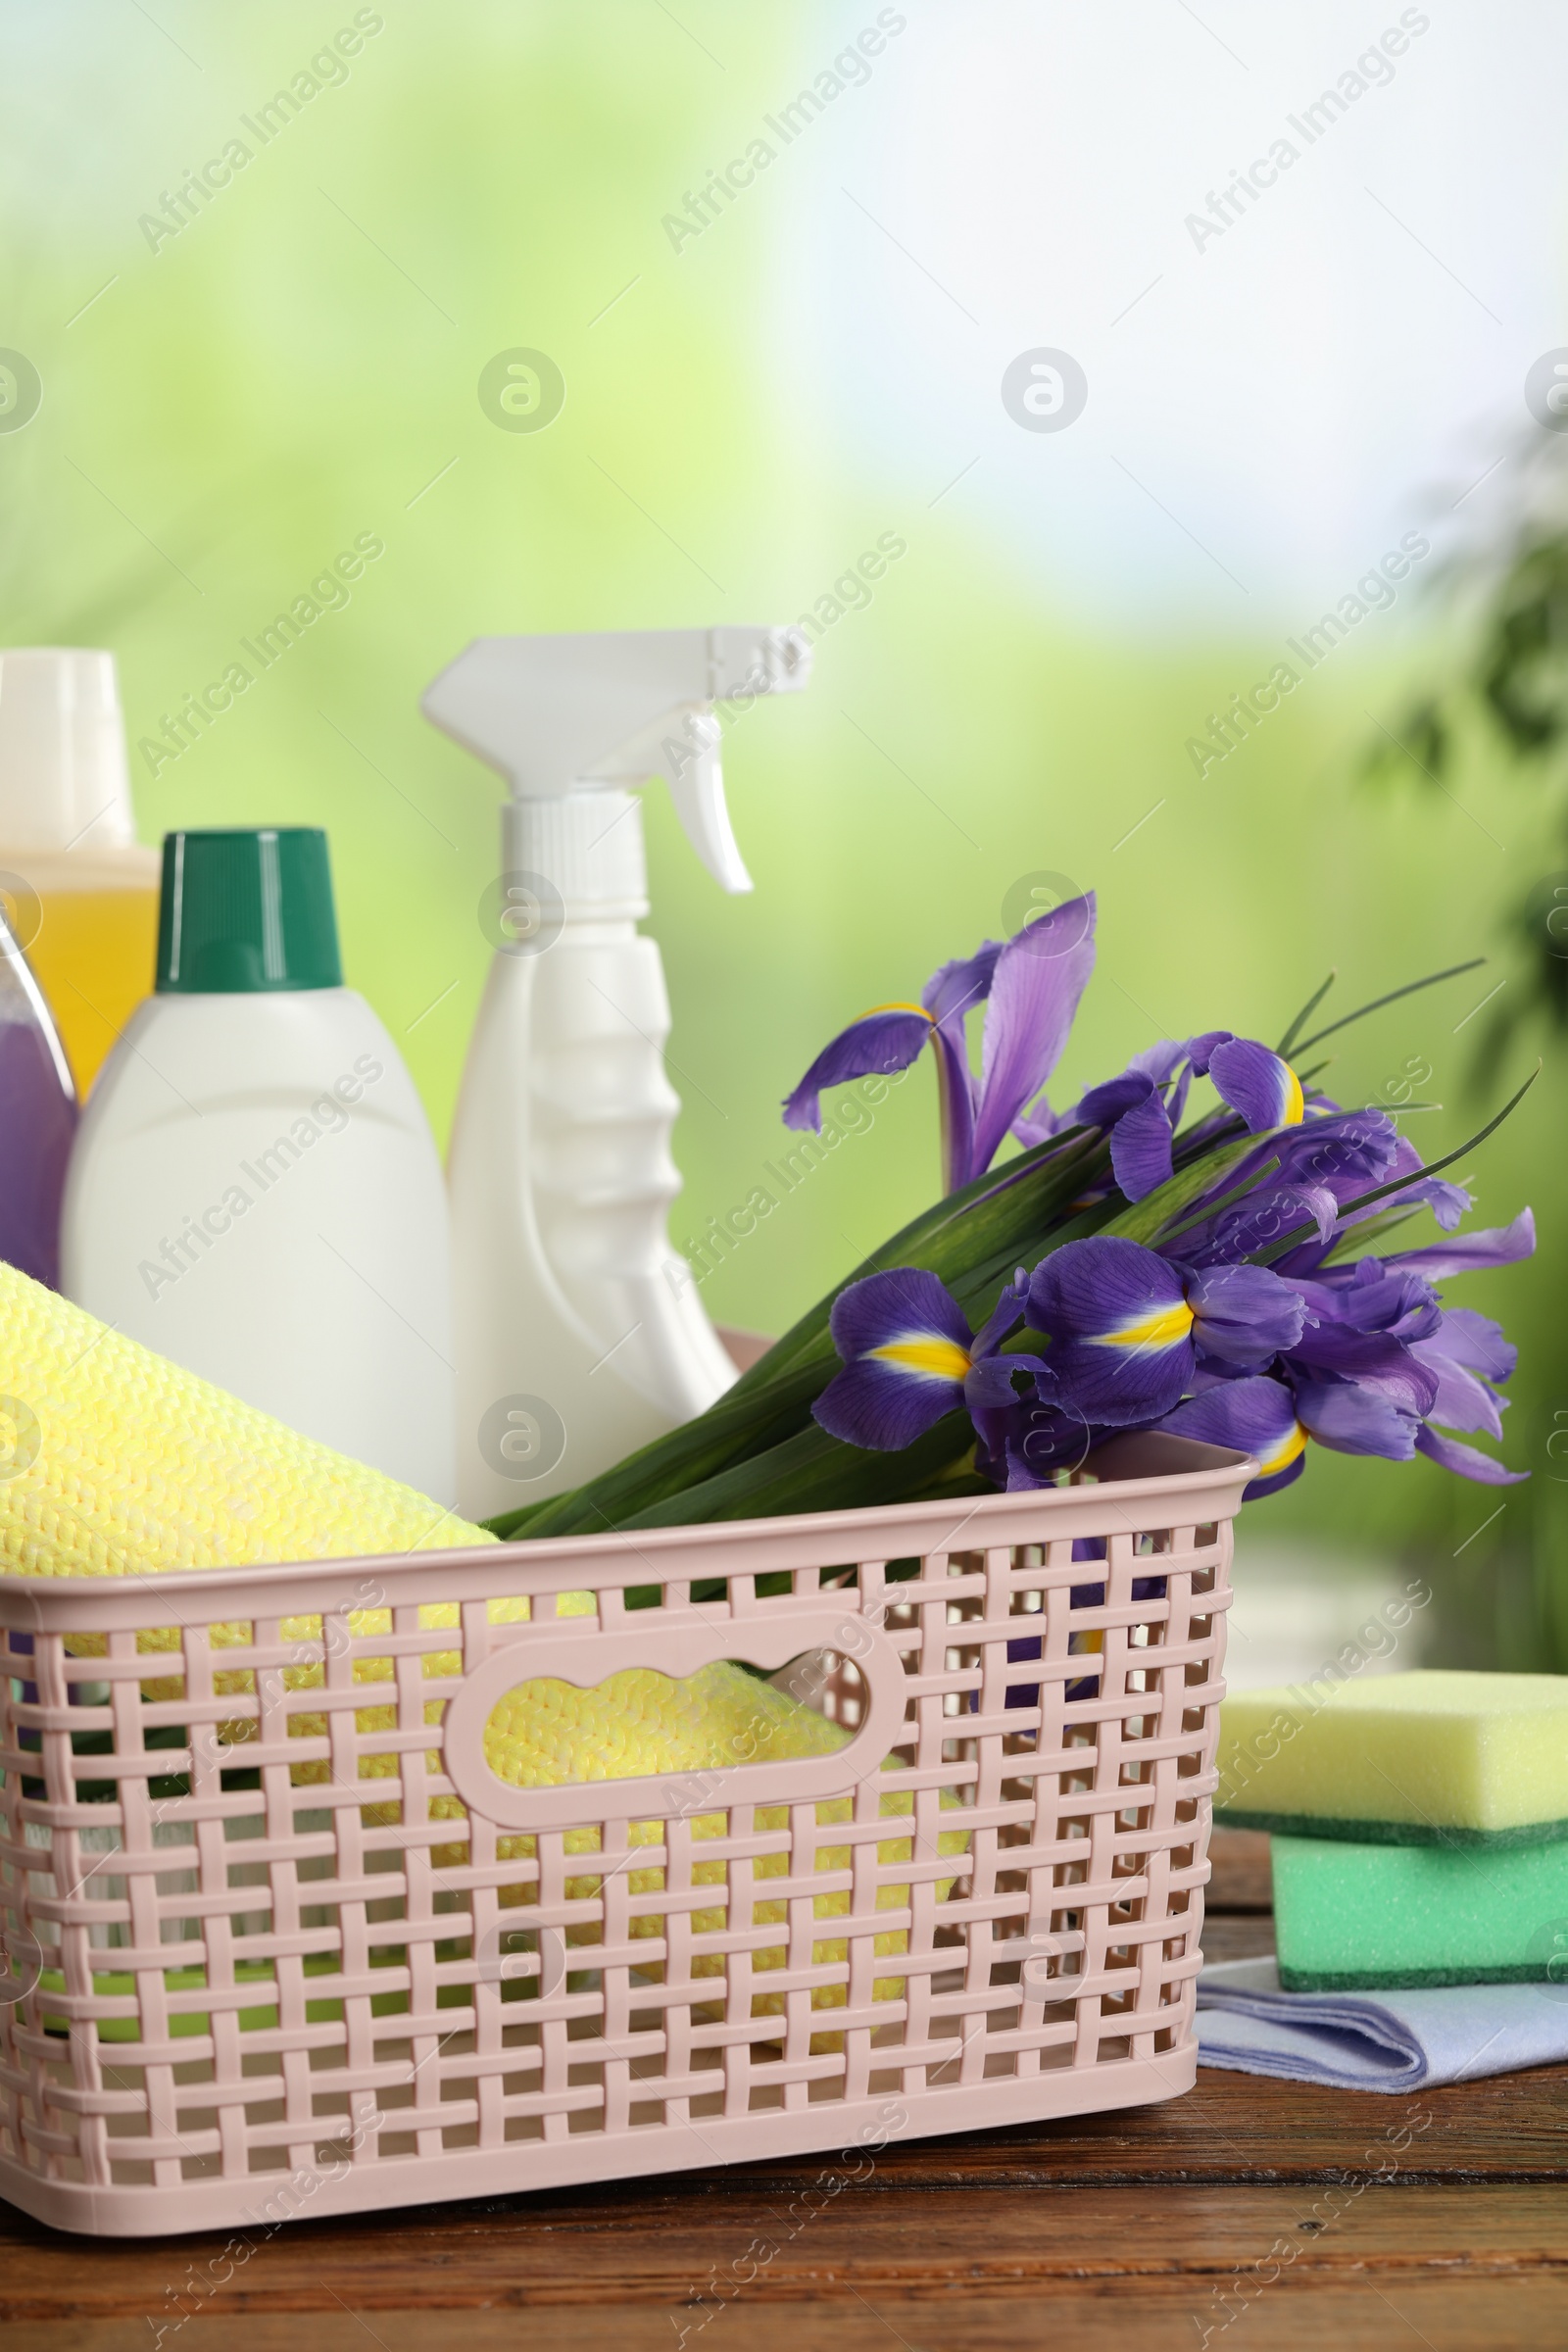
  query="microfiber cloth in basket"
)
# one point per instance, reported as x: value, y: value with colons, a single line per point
x: 1375, y: 2040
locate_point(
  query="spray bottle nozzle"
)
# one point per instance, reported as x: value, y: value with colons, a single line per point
x: 565, y: 716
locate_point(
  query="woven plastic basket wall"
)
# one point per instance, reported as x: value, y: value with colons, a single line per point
x: 281, y: 1943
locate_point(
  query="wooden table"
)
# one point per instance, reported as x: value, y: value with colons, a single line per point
x: 1248, y: 2214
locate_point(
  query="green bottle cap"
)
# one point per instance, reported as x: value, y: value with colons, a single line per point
x: 246, y: 910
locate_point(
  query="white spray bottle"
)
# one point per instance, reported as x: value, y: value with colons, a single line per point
x: 578, y: 1330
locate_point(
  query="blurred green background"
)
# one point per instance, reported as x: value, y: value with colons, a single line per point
x: 226, y: 407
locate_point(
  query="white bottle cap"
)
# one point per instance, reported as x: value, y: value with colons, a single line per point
x: 64, y: 788
x: 586, y: 848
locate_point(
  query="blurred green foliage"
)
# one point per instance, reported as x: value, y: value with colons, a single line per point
x: 1503, y: 701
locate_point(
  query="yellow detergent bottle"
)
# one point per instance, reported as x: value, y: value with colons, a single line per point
x: 79, y: 891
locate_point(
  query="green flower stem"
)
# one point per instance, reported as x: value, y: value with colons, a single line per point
x: 813, y: 1472
x: 973, y: 1241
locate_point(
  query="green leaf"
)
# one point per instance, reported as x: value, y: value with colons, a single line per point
x: 1211, y: 1209
x: 1147, y: 1217
x: 1395, y: 994
x: 988, y: 1210
x: 695, y: 1451
x: 813, y: 1472
x: 1304, y: 1015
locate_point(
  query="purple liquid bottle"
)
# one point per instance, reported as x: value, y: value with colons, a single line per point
x: 37, y: 1119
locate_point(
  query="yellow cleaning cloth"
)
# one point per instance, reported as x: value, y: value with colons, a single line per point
x: 113, y: 1460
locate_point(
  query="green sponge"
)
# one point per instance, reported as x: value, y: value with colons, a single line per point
x: 1350, y: 1918
x: 1427, y: 1758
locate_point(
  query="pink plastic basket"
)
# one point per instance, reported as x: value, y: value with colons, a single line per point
x: 242, y: 1992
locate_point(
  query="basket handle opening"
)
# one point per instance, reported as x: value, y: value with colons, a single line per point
x: 770, y: 1639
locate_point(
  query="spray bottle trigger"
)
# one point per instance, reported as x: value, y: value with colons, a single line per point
x: 695, y: 780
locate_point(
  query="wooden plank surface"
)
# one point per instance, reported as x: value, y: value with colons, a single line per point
x: 1251, y: 2211
x: 1241, y: 1880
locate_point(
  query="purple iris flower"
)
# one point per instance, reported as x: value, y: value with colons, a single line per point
x: 1383, y: 1362
x: 1376, y: 1408
x: 1030, y: 987
x: 1321, y: 1167
x: 909, y: 1357
x: 1272, y: 1418
x: 1363, y: 1359
x: 1142, y: 1108
x: 1361, y: 1356
x: 1381, y: 1368
x: 1129, y: 1328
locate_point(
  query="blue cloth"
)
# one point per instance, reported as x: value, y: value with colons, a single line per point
x: 1375, y: 2040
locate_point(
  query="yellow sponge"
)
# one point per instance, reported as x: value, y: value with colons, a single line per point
x: 1426, y: 1758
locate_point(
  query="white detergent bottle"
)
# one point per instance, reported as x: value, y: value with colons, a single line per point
x: 578, y: 1330
x: 255, y: 1192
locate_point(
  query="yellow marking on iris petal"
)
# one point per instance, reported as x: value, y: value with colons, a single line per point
x: 1285, y: 1454
x: 1166, y: 1326
x: 933, y: 1358
x: 1295, y: 1101
x: 899, y: 1007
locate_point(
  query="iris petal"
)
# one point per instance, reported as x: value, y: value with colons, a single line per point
x: 904, y: 1304
x: 906, y: 1346
x: 1088, y: 1289
x: 957, y: 987
x: 1106, y: 1103
x: 1118, y: 1318
x: 1158, y: 1061
x: 1366, y: 1359
x: 1141, y: 1148
x: 1256, y: 1416
x: 1342, y: 1155
x: 878, y: 1043
x: 1199, y: 1049
x: 1498, y: 1246
x: 1376, y: 1295
x: 1462, y: 1402
x: 871, y: 1404
x: 1474, y: 1341
x: 1038, y: 1124
x: 1256, y: 1082
x: 1243, y: 1314
x: 1351, y: 1416
x: 1038, y: 979
x: 1447, y: 1203
x: 1467, y: 1460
